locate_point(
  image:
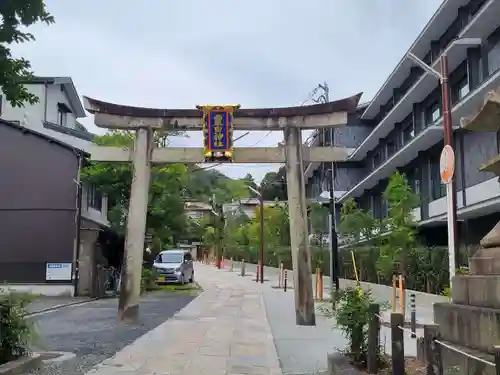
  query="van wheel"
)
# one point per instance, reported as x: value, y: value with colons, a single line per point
x: 191, y: 280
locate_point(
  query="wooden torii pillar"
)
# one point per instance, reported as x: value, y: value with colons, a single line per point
x: 291, y: 120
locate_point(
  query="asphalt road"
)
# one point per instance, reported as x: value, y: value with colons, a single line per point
x: 92, y: 332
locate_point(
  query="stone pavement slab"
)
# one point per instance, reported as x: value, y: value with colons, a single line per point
x: 223, y: 331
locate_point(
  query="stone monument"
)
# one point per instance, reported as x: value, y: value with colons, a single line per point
x: 471, y: 322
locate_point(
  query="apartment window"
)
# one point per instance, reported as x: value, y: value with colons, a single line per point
x: 412, y: 177
x: 494, y: 59
x: 377, y: 159
x: 61, y: 117
x: 438, y: 189
x: 462, y: 88
x: 433, y: 113
x: 408, y: 133
x: 62, y: 114
x: 94, y: 198
x: 391, y: 148
x: 377, y: 209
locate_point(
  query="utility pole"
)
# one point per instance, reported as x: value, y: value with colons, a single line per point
x: 261, y: 251
x: 451, y: 191
x: 218, y: 212
x: 334, y: 240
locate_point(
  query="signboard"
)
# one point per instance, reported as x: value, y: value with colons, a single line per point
x: 58, y: 271
x: 447, y: 164
x: 218, y: 132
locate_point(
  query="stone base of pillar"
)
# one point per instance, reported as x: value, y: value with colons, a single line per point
x: 472, y: 321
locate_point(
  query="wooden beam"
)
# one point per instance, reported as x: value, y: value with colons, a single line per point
x: 317, y: 121
x: 191, y: 155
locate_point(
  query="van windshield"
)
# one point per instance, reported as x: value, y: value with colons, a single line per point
x: 169, y: 258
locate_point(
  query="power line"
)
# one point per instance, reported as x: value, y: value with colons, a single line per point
x: 260, y: 140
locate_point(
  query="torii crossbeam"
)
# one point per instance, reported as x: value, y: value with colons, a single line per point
x: 291, y: 120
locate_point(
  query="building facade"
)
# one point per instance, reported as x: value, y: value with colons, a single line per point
x: 401, y: 128
x: 53, y: 122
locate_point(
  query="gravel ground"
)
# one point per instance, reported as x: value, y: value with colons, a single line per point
x: 92, y: 332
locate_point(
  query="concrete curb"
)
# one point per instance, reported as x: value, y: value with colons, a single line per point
x: 21, y: 365
x: 57, y: 307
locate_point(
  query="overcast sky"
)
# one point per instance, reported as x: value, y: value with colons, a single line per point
x: 260, y: 53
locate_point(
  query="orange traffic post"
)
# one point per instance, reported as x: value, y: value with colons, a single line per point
x: 394, y: 292
x: 402, y: 299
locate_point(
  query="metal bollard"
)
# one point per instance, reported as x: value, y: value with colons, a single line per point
x: 282, y: 274
x: 231, y: 265
x: 285, y: 278
x: 242, y: 274
x: 258, y: 273
x: 413, y: 311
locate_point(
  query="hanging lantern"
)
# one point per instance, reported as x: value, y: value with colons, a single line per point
x: 218, y: 132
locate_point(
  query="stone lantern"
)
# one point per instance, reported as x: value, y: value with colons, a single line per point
x: 471, y: 321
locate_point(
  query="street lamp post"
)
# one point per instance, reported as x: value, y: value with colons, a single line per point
x: 261, y: 250
x: 451, y: 191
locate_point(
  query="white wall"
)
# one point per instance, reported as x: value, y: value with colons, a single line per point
x: 35, y: 114
x: 35, y: 111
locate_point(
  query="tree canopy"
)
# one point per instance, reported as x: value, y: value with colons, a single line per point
x: 15, y: 15
x: 273, y: 185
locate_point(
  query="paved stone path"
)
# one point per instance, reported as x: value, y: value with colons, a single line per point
x: 223, y: 331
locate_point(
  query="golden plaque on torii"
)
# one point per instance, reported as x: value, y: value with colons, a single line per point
x: 218, y: 131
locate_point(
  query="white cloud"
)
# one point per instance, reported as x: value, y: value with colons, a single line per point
x: 262, y: 53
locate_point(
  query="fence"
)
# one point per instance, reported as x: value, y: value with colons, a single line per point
x: 433, y: 345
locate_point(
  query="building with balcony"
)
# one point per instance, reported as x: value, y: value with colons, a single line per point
x: 401, y: 128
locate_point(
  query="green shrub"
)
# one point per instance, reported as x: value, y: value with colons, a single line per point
x: 351, y: 315
x: 16, y: 332
x: 446, y: 291
x: 147, y: 280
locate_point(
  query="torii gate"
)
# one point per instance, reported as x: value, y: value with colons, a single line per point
x: 290, y: 120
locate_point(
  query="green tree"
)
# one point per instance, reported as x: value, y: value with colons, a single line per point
x: 319, y: 221
x: 165, y: 218
x: 358, y: 229
x: 15, y: 15
x: 400, y: 239
x: 357, y: 225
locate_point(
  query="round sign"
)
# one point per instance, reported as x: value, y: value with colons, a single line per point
x: 447, y: 164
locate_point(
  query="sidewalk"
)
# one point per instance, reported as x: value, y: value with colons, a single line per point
x: 223, y: 331
x: 303, y: 349
x: 381, y: 293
